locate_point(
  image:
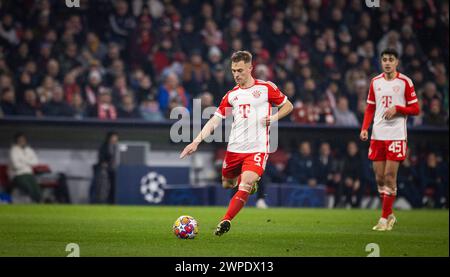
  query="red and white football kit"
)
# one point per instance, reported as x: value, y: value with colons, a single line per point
x: 248, y: 146
x: 389, y: 136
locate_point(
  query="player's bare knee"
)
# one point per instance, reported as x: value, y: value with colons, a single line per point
x: 246, y: 187
x: 249, y: 179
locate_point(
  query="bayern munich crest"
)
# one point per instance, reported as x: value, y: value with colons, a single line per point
x: 396, y: 89
x: 256, y: 93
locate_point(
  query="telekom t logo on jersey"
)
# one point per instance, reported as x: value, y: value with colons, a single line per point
x: 386, y: 101
x: 244, y: 109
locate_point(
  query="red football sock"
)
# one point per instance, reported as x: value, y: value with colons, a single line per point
x: 236, y: 204
x: 388, y: 202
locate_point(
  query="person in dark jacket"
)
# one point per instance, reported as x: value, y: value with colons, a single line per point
x: 128, y: 108
x: 57, y: 106
x: 7, y: 101
x: 351, y: 176
x: 432, y: 175
x: 103, y: 186
x: 301, y: 165
x: 30, y: 106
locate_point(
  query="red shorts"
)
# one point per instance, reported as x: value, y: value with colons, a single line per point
x: 392, y: 150
x: 236, y: 163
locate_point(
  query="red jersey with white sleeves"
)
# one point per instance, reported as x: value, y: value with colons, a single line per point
x: 385, y: 94
x: 249, y: 107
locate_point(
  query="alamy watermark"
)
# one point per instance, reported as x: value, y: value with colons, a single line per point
x: 73, y: 249
x: 372, y: 3
x: 373, y: 249
x: 73, y: 3
x: 251, y: 130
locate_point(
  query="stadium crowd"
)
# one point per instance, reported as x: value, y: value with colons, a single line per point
x: 140, y: 59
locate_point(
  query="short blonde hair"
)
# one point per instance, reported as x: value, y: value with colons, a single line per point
x: 244, y: 56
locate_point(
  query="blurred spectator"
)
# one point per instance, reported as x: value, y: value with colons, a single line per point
x: 104, y: 182
x: 325, y: 112
x: 78, y: 107
x: 171, y: 92
x: 57, y: 106
x: 144, y: 88
x: 30, y: 107
x: 45, y: 90
x: 218, y: 85
x: 195, y: 73
x: 408, y: 182
x: 53, y: 69
x: 351, y: 176
x: 432, y: 179
x: 277, y: 166
x: 7, y: 101
x: 214, y: 56
x: 8, y: 34
x: 278, y: 37
x: 22, y: 159
x: 70, y: 59
x: 128, y: 108
x: 290, y: 91
x: 305, y: 112
x: 301, y: 166
x: 189, y: 38
x: 428, y: 94
x: 105, y: 108
x: 212, y: 36
x: 70, y: 86
x: 94, y: 48
x: 206, y: 101
x: 93, y: 87
x: 344, y: 117
x: 435, y: 117
x: 120, y: 89
x: 149, y: 110
x: 121, y: 22
x: 326, y: 166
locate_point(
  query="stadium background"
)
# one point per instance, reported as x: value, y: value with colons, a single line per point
x: 143, y: 58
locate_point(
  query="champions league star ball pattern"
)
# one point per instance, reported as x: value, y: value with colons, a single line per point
x: 152, y: 187
x: 185, y: 227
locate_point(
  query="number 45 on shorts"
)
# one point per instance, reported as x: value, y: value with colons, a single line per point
x: 398, y: 146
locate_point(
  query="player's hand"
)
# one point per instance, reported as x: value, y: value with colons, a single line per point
x: 390, y: 113
x: 188, y: 150
x: 267, y: 120
x: 364, y: 135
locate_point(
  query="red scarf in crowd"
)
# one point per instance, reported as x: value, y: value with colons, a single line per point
x: 106, y: 111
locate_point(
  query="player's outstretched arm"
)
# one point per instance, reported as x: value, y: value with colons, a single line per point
x: 206, y: 131
x: 284, y: 110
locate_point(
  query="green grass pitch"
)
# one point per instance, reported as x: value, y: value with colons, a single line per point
x: 45, y: 230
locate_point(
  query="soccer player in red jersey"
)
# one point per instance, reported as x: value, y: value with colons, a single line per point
x: 391, y: 99
x: 250, y: 103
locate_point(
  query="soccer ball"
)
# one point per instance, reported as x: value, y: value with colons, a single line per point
x: 185, y: 227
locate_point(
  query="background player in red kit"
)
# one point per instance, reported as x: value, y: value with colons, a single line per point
x: 250, y: 102
x: 391, y: 99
